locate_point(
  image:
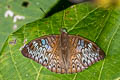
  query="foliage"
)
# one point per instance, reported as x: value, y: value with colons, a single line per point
x: 96, y: 24
x: 32, y: 10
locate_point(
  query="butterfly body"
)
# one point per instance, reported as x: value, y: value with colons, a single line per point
x: 63, y: 53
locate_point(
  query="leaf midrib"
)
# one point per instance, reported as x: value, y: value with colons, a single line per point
x: 108, y: 50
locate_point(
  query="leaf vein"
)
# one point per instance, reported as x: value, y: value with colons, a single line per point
x: 103, y: 26
x: 107, y: 51
x: 81, y: 19
x: 24, y: 39
x: 34, y: 66
x: 38, y: 73
x: 14, y: 62
x: 75, y: 76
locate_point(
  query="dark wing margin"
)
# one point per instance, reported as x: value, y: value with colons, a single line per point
x: 84, y: 53
x: 45, y: 51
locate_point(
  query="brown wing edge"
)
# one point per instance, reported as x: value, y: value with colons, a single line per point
x: 102, y: 53
x: 24, y: 49
x: 25, y: 53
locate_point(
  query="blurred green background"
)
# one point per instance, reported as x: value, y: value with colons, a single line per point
x: 44, y: 17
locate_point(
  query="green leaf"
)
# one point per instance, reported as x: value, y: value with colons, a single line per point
x: 31, y: 10
x: 96, y: 24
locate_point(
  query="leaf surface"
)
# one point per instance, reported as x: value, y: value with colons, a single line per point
x: 96, y: 24
x: 31, y: 10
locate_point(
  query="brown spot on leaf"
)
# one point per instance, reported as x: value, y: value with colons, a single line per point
x: 12, y: 42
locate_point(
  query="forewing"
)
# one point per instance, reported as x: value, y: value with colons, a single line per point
x: 83, y: 53
x: 45, y: 50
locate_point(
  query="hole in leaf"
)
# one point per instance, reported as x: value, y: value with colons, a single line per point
x: 8, y: 6
x: 25, y: 4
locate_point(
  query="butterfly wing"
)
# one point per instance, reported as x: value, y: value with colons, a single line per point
x: 83, y: 53
x: 45, y: 50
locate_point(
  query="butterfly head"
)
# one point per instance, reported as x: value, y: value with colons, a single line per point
x: 63, y: 30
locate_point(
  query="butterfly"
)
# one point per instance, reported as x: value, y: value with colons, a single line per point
x: 63, y: 53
